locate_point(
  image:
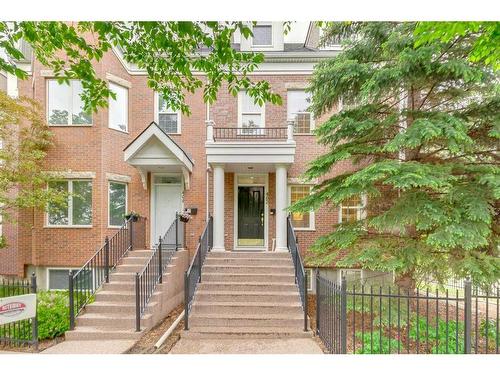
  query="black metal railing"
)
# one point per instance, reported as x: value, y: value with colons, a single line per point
x: 22, y: 332
x: 151, y: 275
x: 370, y: 319
x: 84, y: 282
x: 300, y: 273
x: 250, y: 133
x: 193, y: 274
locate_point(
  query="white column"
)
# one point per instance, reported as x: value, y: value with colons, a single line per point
x: 218, y: 208
x: 281, y: 204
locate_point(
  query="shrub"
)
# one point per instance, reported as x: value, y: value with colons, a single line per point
x: 381, y: 344
x: 443, y: 335
x: 52, y: 312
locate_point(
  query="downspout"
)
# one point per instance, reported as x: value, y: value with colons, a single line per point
x: 207, y: 171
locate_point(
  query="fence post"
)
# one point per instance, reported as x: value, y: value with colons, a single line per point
x: 186, y: 301
x: 106, y: 259
x: 317, y: 301
x: 199, y: 259
x: 343, y: 316
x: 160, y: 265
x: 305, y: 301
x: 176, y: 231
x: 137, y: 304
x: 131, y: 226
x: 34, y: 322
x: 468, y: 315
x: 71, y: 302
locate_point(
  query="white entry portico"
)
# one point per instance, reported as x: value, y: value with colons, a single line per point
x: 249, y: 151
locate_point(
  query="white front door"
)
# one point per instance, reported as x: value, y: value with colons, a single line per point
x: 167, y: 200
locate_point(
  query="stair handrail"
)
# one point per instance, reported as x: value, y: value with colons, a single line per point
x: 300, y: 273
x: 84, y: 283
x: 151, y: 274
x: 192, y: 276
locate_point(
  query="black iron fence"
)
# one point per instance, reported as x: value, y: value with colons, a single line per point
x: 300, y: 273
x: 250, y: 133
x: 193, y: 274
x: 151, y: 275
x: 365, y: 319
x: 84, y: 283
x: 23, y: 332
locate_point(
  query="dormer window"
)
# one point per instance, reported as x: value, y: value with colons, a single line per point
x: 262, y: 36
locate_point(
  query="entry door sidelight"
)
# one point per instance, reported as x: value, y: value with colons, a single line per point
x: 250, y: 215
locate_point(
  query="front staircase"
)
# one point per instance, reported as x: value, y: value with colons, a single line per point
x: 247, y: 295
x: 112, y: 315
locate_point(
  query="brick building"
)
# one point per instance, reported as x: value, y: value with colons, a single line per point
x: 233, y: 159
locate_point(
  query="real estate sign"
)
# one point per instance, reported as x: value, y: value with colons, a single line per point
x: 17, y: 308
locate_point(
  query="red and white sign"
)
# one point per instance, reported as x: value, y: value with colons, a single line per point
x: 17, y: 308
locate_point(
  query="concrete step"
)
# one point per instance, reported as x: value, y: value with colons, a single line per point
x: 244, y: 332
x: 247, y: 254
x: 247, y: 320
x: 135, y: 260
x: 120, y: 286
x: 92, y: 333
x: 247, y: 286
x: 132, y: 268
x: 112, y: 322
x: 115, y: 307
x: 240, y: 261
x: 115, y: 296
x: 245, y: 296
x: 239, y: 277
x: 143, y: 253
x: 122, y: 276
x: 234, y: 268
x: 253, y: 308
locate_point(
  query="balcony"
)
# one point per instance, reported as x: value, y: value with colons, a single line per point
x: 265, y: 147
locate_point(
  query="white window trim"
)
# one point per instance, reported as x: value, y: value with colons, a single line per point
x: 272, y: 36
x: 70, y: 207
x: 313, y: 122
x: 312, y: 219
x: 70, y: 115
x: 361, y: 209
x: 157, y: 114
x: 262, y: 112
x: 109, y: 200
x: 109, y: 110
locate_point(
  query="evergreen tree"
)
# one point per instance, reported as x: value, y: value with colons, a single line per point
x: 421, y: 124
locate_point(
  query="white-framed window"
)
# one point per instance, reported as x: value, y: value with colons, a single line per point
x: 58, y: 278
x: 117, y: 203
x: 250, y: 115
x: 64, y: 104
x: 78, y: 210
x: 301, y: 220
x: 298, y: 102
x: 262, y: 35
x: 118, y: 108
x: 167, y: 119
x: 351, y: 275
x: 310, y: 276
x: 352, y: 209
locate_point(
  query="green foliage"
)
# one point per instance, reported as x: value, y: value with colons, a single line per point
x: 488, y: 328
x: 53, y: 319
x: 170, y: 53
x: 444, y: 333
x: 420, y: 123
x: 375, y: 343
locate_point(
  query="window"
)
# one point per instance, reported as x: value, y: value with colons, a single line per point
x: 65, y: 106
x: 351, y: 275
x: 262, y: 35
x: 301, y: 220
x: 298, y: 104
x: 117, y: 203
x: 251, y: 114
x: 78, y: 209
x: 352, y: 209
x: 168, y: 119
x: 310, y: 276
x: 118, y: 108
x: 58, y: 279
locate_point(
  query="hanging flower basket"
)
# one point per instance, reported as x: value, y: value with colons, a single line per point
x: 184, y: 217
x: 134, y: 215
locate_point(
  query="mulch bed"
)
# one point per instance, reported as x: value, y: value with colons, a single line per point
x: 146, y: 343
x: 42, y: 345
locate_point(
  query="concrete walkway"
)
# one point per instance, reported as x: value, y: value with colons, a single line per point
x: 246, y: 346
x: 91, y: 347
